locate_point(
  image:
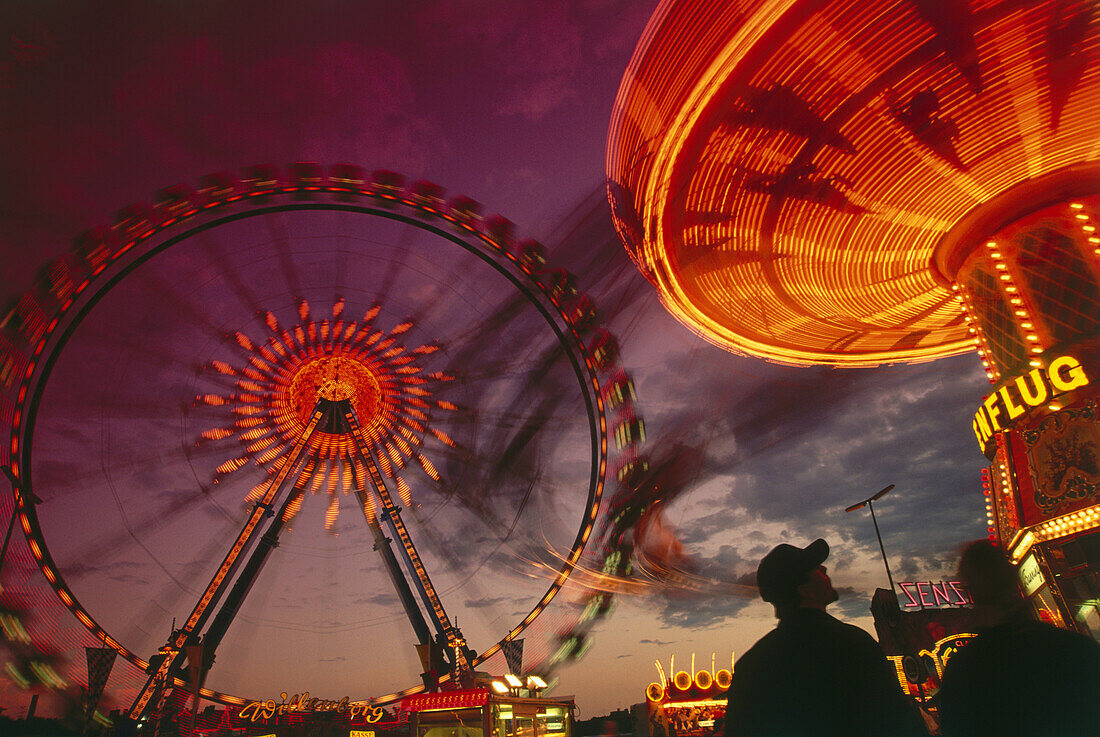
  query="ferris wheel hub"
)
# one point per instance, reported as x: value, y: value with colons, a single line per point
x: 336, y: 377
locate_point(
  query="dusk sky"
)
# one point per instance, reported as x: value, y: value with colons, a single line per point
x: 507, y: 103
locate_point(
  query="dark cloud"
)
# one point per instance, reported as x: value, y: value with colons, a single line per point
x: 793, y: 447
x: 489, y: 603
x: 129, y: 579
x: 384, y: 600
x: 884, y: 426
x: 852, y: 604
x: 696, y: 613
x: 714, y: 525
x: 538, y: 53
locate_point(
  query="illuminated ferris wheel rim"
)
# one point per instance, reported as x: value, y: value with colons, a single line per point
x: 778, y: 291
x: 472, y: 234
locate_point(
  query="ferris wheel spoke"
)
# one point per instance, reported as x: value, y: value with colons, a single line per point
x: 340, y: 269
x: 174, y: 302
x: 397, y: 265
x: 227, y: 271
x: 280, y: 239
x: 161, y: 606
x: 488, y: 538
x: 116, y: 347
x: 149, y: 523
x: 529, y: 369
x: 475, y: 340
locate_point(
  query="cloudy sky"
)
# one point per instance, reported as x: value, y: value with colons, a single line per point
x: 509, y: 104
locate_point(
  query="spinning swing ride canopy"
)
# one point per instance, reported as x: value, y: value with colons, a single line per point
x: 800, y: 180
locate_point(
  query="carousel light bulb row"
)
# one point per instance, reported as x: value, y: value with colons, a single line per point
x: 1019, y: 308
x: 1059, y: 527
x: 1087, y: 226
x: 973, y: 327
x: 987, y: 492
x: 1069, y: 524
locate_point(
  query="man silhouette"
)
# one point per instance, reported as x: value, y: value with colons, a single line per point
x: 812, y: 674
x: 1019, y: 676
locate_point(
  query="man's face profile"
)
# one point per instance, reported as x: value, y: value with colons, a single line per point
x: 818, y: 591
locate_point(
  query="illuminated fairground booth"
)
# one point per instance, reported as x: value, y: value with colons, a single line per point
x: 685, y: 703
x: 861, y: 183
x: 501, y: 709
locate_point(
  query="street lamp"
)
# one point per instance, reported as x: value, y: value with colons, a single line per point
x: 869, y: 502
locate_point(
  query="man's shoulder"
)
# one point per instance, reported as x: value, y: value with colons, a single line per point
x: 1039, y: 635
x: 855, y: 632
x: 857, y: 636
x: 762, y: 648
x: 819, y: 629
x: 1005, y: 643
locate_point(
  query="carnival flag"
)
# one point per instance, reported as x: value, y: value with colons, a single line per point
x: 197, y: 675
x: 513, y: 655
x: 100, y: 662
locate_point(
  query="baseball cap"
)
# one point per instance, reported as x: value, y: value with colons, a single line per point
x: 784, y: 569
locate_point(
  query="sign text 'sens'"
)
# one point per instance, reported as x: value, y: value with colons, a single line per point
x: 924, y: 594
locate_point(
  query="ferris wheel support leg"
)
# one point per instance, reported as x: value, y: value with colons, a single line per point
x: 172, y: 653
x: 451, y: 637
x: 232, y: 604
x: 408, y: 601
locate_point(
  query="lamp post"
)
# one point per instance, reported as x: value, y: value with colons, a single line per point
x: 869, y: 502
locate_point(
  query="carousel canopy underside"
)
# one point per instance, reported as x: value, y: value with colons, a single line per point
x: 789, y: 174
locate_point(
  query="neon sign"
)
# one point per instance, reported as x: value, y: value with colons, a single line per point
x: 258, y: 711
x: 926, y: 594
x: 1032, y: 389
x: 928, y: 665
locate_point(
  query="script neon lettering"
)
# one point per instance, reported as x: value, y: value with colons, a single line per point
x: 265, y: 710
x: 258, y: 710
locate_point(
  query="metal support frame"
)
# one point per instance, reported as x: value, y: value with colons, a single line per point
x: 335, y: 417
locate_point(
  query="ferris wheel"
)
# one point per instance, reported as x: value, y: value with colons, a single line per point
x: 309, y: 420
